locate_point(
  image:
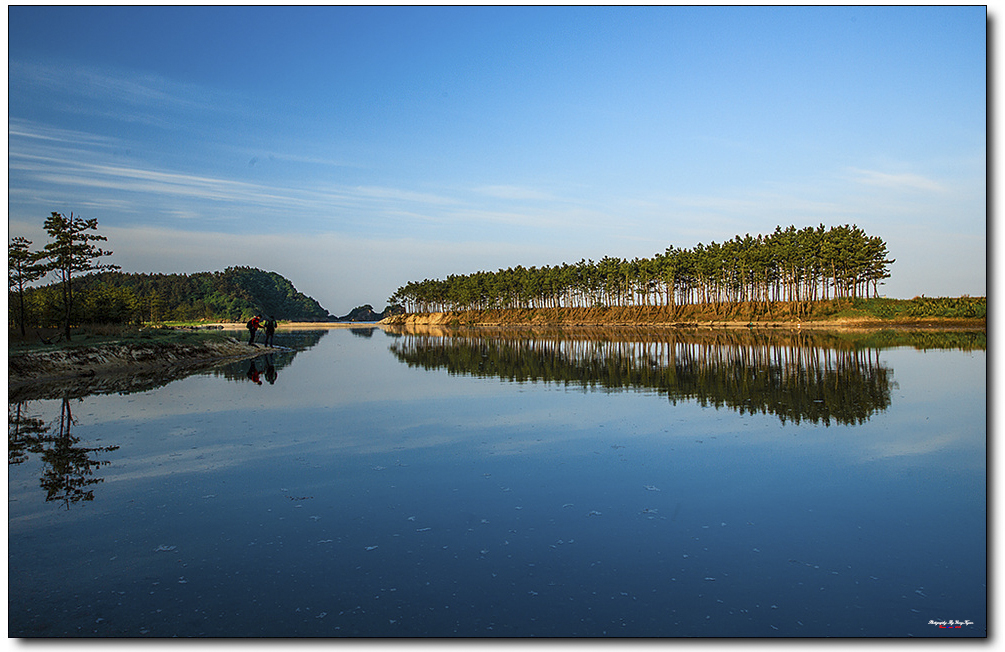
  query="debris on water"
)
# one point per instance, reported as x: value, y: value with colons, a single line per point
x: 424, y: 529
x: 532, y: 592
x: 163, y: 548
x: 371, y: 548
x: 709, y: 579
x: 325, y: 541
x: 316, y: 518
x: 774, y: 606
x: 685, y: 556
x: 485, y: 520
x: 379, y: 468
x: 918, y: 591
x: 650, y: 487
x: 756, y: 550
x: 774, y: 628
x: 182, y: 580
x: 322, y: 614
x: 567, y: 505
x: 593, y: 512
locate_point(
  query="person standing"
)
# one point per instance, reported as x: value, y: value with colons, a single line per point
x: 253, y: 325
x: 270, y: 330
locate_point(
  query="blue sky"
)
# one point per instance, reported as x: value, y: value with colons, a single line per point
x: 354, y: 149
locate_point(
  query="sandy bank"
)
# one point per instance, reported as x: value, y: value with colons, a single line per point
x: 530, y: 318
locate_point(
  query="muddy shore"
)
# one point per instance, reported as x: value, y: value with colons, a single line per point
x: 118, y: 364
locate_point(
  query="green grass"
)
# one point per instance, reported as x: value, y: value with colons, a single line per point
x: 906, y: 309
x: 94, y: 335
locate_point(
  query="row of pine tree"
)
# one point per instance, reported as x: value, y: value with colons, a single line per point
x: 790, y: 264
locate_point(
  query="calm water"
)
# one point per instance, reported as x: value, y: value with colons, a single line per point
x: 378, y: 484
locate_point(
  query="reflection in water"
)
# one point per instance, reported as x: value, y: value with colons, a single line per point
x: 67, y: 467
x: 270, y: 364
x: 258, y: 366
x: 791, y: 376
x: 132, y: 381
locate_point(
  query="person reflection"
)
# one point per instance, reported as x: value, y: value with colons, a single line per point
x: 270, y: 370
x: 254, y: 375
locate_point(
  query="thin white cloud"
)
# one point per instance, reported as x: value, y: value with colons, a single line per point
x: 903, y: 181
x: 517, y: 193
x: 121, y: 94
x: 397, y: 194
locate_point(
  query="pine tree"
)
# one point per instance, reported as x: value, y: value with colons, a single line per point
x: 72, y: 252
x: 23, y: 267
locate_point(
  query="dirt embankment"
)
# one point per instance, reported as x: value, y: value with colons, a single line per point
x: 40, y: 365
x: 635, y: 316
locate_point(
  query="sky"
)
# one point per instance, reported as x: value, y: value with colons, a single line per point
x: 355, y: 149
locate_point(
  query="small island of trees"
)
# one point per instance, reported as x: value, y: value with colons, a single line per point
x: 789, y: 265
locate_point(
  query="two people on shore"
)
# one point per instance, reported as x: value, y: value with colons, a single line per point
x: 270, y: 329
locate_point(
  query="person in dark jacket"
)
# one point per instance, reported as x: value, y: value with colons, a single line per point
x: 270, y: 330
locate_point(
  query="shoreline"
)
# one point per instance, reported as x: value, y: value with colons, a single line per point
x: 535, y: 319
x: 102, y: 361
x: 289, y: 326
x: 122, y: 359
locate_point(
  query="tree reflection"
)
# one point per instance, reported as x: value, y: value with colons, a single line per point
x: 67, y: 467
x: 792, y: 376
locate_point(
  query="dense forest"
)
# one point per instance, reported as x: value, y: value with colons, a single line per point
x: 808, y: 264
x: 112, y: 297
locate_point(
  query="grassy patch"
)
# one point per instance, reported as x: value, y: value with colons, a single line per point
x: 95, y: 335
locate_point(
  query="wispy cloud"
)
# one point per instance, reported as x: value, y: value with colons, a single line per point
x: 121, y: 94
x: 514, y: 193
x: 397, y: 194
x: 902, y: 181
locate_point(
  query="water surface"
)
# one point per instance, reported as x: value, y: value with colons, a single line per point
x: 630, y: 484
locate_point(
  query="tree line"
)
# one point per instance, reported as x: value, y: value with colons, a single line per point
x: 790, y: 264
x: 85, y: 291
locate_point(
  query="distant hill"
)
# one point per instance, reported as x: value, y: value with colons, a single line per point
x: 366, y: 313
x: 234, y: 294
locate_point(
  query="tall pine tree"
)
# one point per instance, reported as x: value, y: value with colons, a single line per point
x: 72, y: 251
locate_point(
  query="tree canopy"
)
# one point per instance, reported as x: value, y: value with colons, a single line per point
x: 787, y: 265
x: 235, y: 294
x: 71, y: 252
